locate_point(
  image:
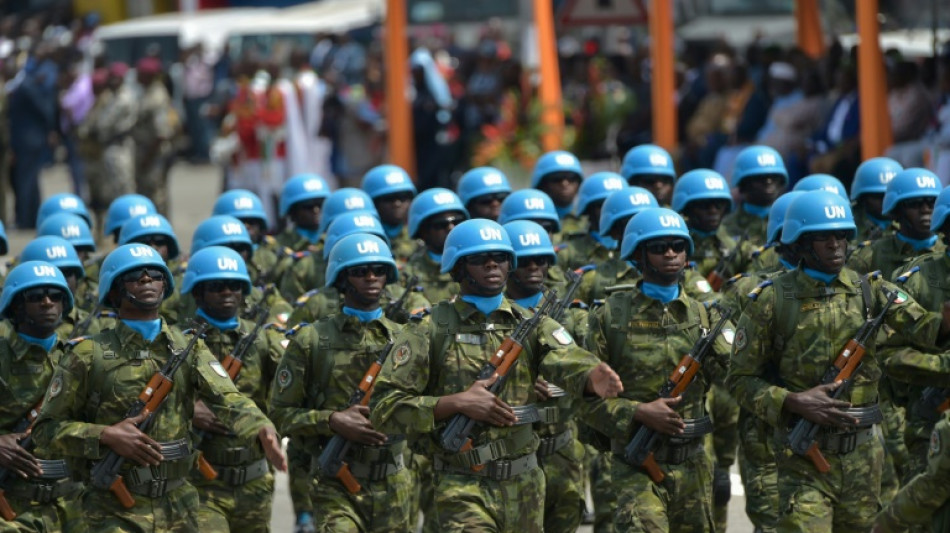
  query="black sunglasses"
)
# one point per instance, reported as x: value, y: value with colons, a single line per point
x: 549, y: 227
x: 649, y: 181
x: 825, y: 236
x: 489, y: 199
x: 396, y: 197
x: 154, y: 240
x: 483, y: 258
x: 540, y: 260
x: 660, y: 247
x: 361, y: 271
x: 38, y: 294
x: 309, y: 205
x: 134, y: 276
x: 444, y: 223
x: 917, y: 203
x: 218, y: 285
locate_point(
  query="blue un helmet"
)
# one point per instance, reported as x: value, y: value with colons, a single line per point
x: 597, y: 188
x: 700, y: 184
x: 821, y: 182
x: 873, y: 176
x: 125, y: 207
x: 647, y: 160
x: 350, y: 223
x: 63, y: 203
x: 475, y: 236
x: 482, y: 181
x: 910, y: 183
x: 347, y: 199
x: 528, y: 239
x: 429, y: 203
x: 28, y: 275
x: 127, y: 258
x: 301, y: 188
x: 241, y: 204
x: 141, y: 228
x: 653, y: 223
x: 758, y: 161
x: 359, y: 249
x: 777, y: 215
x: 4, y: 243
x: 214, y: 263
x: 387, y: 179
x: 817, y: 211
x: 56, y: 251
x: 529, y: 204
x: 70, y: 227
x: 556, y: 161
x: 941, y: 210
x: 221, y: 230
x: 625, y: 203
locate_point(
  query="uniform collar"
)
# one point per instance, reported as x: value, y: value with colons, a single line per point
x: 467, y: 310
x: 347, y: 323
x: 27, y: 350
x: 846, y: 278
x: 128, y: 336
x: 640, y: 301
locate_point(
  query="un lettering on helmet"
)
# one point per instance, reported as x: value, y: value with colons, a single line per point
x: 44, y: 271
x: 564, y: 159
x: 313, y: 185
x: 394, y: 178
x: 491, y: 179
x: 926, y: 182
x: 354, y: 202
x: 364, y: 222
x: 232, y: 228
x: 834, y: 211
x: 668, y: 221
x: 613, y: 184
x: 142, y: 251
x: 243, y: 203
x: 138, y: 209
x: 490, y: 234
x: 766, y: 160
x: 639, y: 199
x: 71, y: 230
x: 68, y: 203
x: 443, y: 198
x: 55, y: 252
x: 716, y: 183
x: 534, y: 204
x: 658, y: 160
x: 150, y: 222
x: 529, y: 239
x: 227, y: 263
x: 887, y: 176
x: 367, y: 247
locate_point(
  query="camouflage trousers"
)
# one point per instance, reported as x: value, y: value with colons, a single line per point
x: 245, y: 508
x: 59, y: 516
x: 605, y: 499
x: 467, y: 503
x: 175, y: 512
x: 758, y: 471
x: 112, y: 176
x: 151, y: 181
x: 847, y: 498
x: 298, y: 472
x: 724, y: 412
x: 380, y: 506
x: 682, y: 502
x: 896, y: 457
x: 564, y: 503
x: 422, y: 492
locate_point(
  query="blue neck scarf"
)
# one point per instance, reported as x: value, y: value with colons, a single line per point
x: 531, y: 301
x: 918, y: 244
x: 609, y: 243
x: 819, y: 276
x: 392, y: 231
x: 312, y: 235
x: 663, y: 293
x: 434, y: 256
x: 148, y: 329
x: 700, y: 233
x: 761, y: 211
x: 879, y: 222
x: 47, y: 343
x: 564, y: 211
x: 485, y: 304
x: 223, y: 325
x: 786, y: 264
x: 364, y: 316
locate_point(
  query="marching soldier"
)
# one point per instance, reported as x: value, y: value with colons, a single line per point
x: 537, y: 207
x: 432, y: 216
x: 75, y: 230
x: 702, y: 197
x: 559, y: 175
x: 585, y: 247
x: 821, y: 182
x: 650, y: 167
x: 268, y: 259
x: 482, y: 191
x: 156, y: 231
x: 392, y: 192
x: 301, y: 201
x: 761, y: 177
x: 867, y: 197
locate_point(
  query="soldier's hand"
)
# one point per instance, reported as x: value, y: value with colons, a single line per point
x: 480, y: 404
x: 206, y: 420
x: 604, y: 382
x: 541, y: 389
x: 817, y: 405
x: 660, y: 416
x: 353, y: 424
x: 270, y: 442
x: 130, y: 442
x: 16, y: 458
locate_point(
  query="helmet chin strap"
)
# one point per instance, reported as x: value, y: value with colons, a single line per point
x: 139, y: 303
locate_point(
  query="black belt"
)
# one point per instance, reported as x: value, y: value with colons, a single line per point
x: 177, y: 462
x: 842, y: 443
x: 236, y: 456
x: 500, y: 470
x: 550, y: 445
x: 52, y: 484
x: 377, y: 471
x: 240, y: 475
x: 867, y: 415
x: 156, y: 488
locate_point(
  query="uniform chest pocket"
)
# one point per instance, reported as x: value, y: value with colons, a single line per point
x: 130, y: 378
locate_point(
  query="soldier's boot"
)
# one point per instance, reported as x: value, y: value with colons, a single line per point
x: 722, y: 492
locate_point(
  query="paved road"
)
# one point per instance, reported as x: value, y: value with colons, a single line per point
x: 193, y: 189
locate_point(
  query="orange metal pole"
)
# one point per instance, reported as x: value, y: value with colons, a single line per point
x: 876, y: 132
x: 808, y: 20
x: 398, y: 110
x: 664, y: 81
x: 552, y: 108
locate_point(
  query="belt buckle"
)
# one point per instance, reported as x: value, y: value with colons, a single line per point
x: 240, y: 476
x: 500, y: 470
x: 848, y: 442
x: 547, y: 446
x: 156, y: 487
x: 377, y: 471
x: 678, y: 454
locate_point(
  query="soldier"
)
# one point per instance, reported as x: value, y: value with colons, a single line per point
x: 560, y: 454
x: 536, y: 206
x: 392, y: 192
x: 323, y: 365
x: 644, y: 332
x: 74, y: 229
x: 558, y: 174
x: 760, y: 176
x: 821, y: 182
x: 867, y: 197
x: 120, y: 211
x: 63, y: 203
x: 301, y: 200
x: 239, y: 498
x: 155, y: 129
x: 84, y: 414
x: 786, y: 341
x: 702, y: 197
x: 268, y: 259
x: 432, y: 216
x: 431, y: 376
x: 650, y: 167
x: 482, y: 190
x: 773, y: 255
x: 156, y: 231
x: 40, y: 491
x: 591, y: 246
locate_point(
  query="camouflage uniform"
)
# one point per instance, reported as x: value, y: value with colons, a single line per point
x: 710, y: 249
x: 153, y: 133
x: 179, y: 308
x: 642, y: 338
x: 621, y: 274
x: 402, y: 246
x: 571, y: 224
x: 764, y: 259
x: 320, y: 303
x: 308, y: 273
x: 70, y: 321
x: 321, y: 369
x: 768, y: 354
x: 435, y: 286
x: 107, y: 149
x: 868, y: 230
x: 97, y: 382
x: 580, y: 249
x: 741, y: 222
x: 239, y: 499
x: 443, y: 355
x: 25, y: 373
x: 87, y: 294
x: 887, y: 254
x: 289, y: 238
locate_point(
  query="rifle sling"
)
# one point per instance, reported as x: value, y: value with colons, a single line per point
x: 520, y: 437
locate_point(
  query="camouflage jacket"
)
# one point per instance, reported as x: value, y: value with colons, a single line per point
x: 710, y: 249
x: 887, y: 254
x: 70, y: 321
x: 619, y: 273
x: 740, y: 222
x: 436, y: 286
x: 179, y: 309
x: 306, y: 274
x: 868, y: 230
x: 581, y: 249
x: 297, y: 242
x: 402, y: 246
x: 316, y: 304
x: 25, y: 372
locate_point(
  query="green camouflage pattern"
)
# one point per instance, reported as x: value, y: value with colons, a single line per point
x: 307, y: 273
x: 724, y: 443
x: 244, y: 508
x: 603, y: 493
x: 868, y: 230
x: 181, y: 308
x: 765, y: 259
x: 288, y: 238
x: 323, y: 302
x: 75, y: 316
x: 758, y: 470
x: 741, y: 222
x: 436, y: 287
x: 380, y: 507
x: 571, y: 224
x: 300, y: 481
x: 466, y: 503
x: 176, y: 512
x: 618, y: 273
x: 402, y: 246
x: 87, y: 293
x: 887, y: 254
x: 580, y: 249
x: 59, y: 516
x: 710, y: 249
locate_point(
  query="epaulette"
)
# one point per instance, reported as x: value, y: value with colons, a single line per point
x: 596, y: 303
x: 577, y: 304
x: 302, y: 299
x: 269, y: 240
x: 586, y: 268
x: 735, y: 278
x: 560, y: 247
x: 73, y: 342
x: 107, y: 313
x: 760, y: 250
x: 864, y: 244
x: 293, y: 331
x: 419, y: 313
x: 622, y: 287
x: 754, y: 295
x: 276, y: 327
x: 906, y: 275
x: 876, y: 275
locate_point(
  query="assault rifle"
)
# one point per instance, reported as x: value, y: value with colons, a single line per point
x: 645, y: 441
x: 105, y: 473
x: 394, y: 308
x: 331, y: 461
x: 716, y: 275
x: 803, y: 437
x: 24, y: 425
x: 575, y: 281
x: 460, y: 431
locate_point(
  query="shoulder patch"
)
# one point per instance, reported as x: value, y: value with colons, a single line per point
x: 906, y: 275
x: 56, y: 386
x: 284, y: 377
x: 401, y: 355
x: 935, y: 444
x: 77, y: 340
x: 901, y: 297
x: 218, y: 369
x: 741, y: 339
x: 284, y: 343
x: 562, y: 336
x: 704, y: 286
